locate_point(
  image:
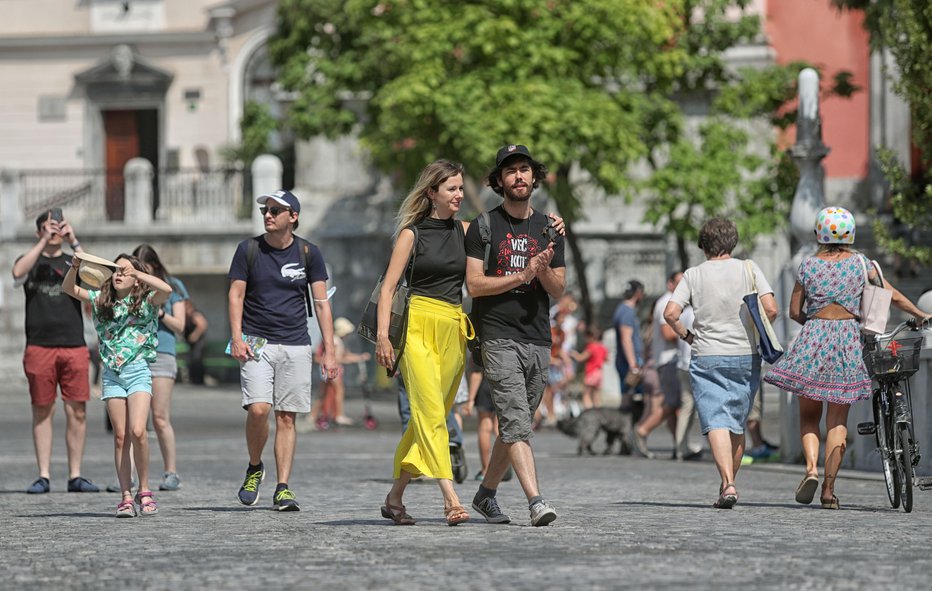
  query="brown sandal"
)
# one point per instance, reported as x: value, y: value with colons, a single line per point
x: 396, y: 514
x: 831, y: 503
x: 456, y: 515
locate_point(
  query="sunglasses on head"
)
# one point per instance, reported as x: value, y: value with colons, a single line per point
x: 275, y: 211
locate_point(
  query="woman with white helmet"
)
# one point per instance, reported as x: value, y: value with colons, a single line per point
x: 824, y: 364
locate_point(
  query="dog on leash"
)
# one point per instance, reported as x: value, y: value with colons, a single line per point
x: 587, y: 426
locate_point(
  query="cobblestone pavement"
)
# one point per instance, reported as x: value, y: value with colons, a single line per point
x: 623, y: 522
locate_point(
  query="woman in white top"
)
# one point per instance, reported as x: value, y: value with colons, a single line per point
x: 725, y: 366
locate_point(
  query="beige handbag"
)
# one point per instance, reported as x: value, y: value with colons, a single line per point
x: 875, y: 302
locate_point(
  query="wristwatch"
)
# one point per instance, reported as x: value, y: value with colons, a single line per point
x: 685, y: 337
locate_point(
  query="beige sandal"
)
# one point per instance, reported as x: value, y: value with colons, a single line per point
x: 456, y: 515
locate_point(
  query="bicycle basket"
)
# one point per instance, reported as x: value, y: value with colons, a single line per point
x: 895, y: 359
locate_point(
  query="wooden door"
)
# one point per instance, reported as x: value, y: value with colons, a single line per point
x: 122, y: 145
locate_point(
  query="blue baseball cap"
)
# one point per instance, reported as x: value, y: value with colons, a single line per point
x: 282, y: 197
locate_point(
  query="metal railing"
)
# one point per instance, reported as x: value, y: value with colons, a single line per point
x: 213, y: 197
x: 179, y: 196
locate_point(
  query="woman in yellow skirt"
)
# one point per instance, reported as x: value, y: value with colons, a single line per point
x: 435, y: 347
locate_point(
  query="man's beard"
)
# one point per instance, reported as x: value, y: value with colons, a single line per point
x: 507, y: 194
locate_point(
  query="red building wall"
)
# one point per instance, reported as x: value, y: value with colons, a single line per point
x: 813, y: 31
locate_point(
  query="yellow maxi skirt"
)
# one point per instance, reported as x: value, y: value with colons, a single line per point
x: 432, y: 366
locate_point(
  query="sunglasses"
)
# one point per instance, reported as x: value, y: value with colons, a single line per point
x: 275, y: 211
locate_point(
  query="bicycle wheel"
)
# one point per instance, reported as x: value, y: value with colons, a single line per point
x: 885, y: 448
x: 905, y: 462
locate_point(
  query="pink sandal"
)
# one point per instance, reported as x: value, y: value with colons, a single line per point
x: 149, y: 507
x: 126, y: 508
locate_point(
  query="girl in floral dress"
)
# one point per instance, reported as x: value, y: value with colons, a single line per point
x: 824, y: 363
x: 125, y: 313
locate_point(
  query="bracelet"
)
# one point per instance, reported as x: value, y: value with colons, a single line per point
x: 75, y: 244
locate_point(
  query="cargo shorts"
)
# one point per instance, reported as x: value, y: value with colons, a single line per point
x: 517, y: 374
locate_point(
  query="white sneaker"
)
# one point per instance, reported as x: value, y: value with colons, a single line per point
x: 542, y: 513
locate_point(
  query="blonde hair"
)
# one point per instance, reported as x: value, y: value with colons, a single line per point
x: 417, y: 206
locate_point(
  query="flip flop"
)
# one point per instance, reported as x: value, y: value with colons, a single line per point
x: 805, y: 492
x: 456, y: 515
x: 832, y: 504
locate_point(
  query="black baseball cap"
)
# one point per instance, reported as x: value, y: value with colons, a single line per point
x: 512, y: 150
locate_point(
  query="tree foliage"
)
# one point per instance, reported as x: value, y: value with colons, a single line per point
x: 904, y: 27
x: 593, y: 86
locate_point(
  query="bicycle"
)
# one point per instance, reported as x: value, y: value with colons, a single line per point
x: 890, y: 363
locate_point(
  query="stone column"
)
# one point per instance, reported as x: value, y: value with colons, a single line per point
x: 266, y: 178
x: 11, y: 210
x: 809, y: 199
x: 138, y: 195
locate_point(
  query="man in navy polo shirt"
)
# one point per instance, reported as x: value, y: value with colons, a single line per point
x: 269, y: 278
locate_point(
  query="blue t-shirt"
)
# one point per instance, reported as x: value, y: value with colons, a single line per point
x: 166, y: 336
x: 275, y: 307
x: 626, y: 316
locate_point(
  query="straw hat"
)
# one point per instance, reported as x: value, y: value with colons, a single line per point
x: 343, y: 327
x: 94, y: 271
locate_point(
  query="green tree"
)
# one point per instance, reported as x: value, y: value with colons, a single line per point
x: 904, y: 27
x: 589, y: 85
x: 256, y: 127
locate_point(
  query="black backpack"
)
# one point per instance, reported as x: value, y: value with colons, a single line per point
x: 252, y: 251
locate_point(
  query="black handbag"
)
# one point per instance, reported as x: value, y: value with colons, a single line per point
x: 398, y: 322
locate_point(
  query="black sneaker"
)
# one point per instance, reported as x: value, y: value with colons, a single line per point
x: 39, y: 487
x: 249, y: 492
x: 81, y: 484
x: 285, y: 501
x: 488, y: 508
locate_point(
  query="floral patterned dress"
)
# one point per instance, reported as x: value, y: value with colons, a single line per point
x: 825, y: 361
x: 128, y: 336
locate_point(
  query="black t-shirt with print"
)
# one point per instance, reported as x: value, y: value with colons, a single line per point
x: 53, y: 318
x: 274, y: 307
x: 523, y: 313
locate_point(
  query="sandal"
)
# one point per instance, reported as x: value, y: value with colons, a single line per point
x: 126, y: 508
x: 455, y: 515
x: 805, y: 492
x: 830, y: 504
x: 396, y: 514
x: 726, y: 501
x: 149, y: 507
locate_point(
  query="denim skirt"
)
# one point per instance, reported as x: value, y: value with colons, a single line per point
x: 724, y: 387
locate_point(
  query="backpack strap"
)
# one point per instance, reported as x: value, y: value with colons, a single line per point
x: 485, y: 234
x: 252, y: 251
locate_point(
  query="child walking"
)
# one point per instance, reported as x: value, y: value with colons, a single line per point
x: 125, y: 312
x: 594, y: 356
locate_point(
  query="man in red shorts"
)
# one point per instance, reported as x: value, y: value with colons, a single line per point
x: 56, y: 354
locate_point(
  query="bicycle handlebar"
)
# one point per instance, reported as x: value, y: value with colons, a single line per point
x: 913, y: 324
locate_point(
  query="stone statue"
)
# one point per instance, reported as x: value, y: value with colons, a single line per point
x: 808, y: 152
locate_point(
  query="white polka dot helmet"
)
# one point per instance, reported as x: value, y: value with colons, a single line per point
x: 835, y: 225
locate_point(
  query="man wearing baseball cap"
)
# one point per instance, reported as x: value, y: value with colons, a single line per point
x: 510, y: 311
x: 56, y: 355
x: 269, y: 306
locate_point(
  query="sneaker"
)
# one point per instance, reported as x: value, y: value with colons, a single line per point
x: 480, y: 476
x: 639, y: 444
x: 746, y: 460
x: 170, y: 481
x: 542, y: 513
x: 40, y: 486
x: 762, y: 453
x: 249, y: 492
x: 488, y: 508
x: 81, y: 484
x: 285, y: 501
x: 508, y: 474
x: 115, y: 486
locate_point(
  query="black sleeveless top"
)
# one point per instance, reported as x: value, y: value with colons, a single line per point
x: 440, y: 266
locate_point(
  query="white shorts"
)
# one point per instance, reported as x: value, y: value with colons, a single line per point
x: 281, y: 376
